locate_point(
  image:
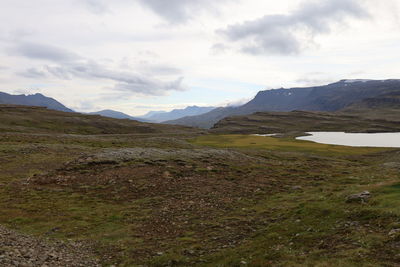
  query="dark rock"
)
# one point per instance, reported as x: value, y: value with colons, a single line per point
x: 361, y: 197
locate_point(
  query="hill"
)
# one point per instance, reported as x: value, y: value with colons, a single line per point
x: 163, y: 195
x: 41, y: 120
x: 331, y: 97
x: 302, y: 121
x: 33, y: 100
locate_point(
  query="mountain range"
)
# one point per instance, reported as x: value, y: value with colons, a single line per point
x: 33, y: 100
x: 161, y: 116
x: 362, y: 96
x: 116, y: 115
x: 50, y: 103
x: 331, y: 98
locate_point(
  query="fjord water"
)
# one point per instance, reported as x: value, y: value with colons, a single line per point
x: 354, y: 139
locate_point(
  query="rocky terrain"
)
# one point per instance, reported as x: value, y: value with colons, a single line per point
x: 88, y: 191
x: 21, y: 250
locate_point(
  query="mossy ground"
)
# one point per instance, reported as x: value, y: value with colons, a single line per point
x: 281, y: 204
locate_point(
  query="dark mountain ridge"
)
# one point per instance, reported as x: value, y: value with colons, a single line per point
x: 330, y: 98
x: 37, y: 100
x: 116, y: 115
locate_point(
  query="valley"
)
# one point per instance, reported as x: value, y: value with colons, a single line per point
x: 199, y: 133
x: 139, y: 194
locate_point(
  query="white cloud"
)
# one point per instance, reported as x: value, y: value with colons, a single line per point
x: 116, y: 54
x: 290, y: 34
x: 66, y: 65
x: 181, y: 11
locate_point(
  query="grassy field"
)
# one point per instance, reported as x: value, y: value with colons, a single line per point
x: 278, y: 144
x: 248, y: 200
x: 189, y: 199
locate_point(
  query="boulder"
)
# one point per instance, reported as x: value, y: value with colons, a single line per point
x: 361, y: 197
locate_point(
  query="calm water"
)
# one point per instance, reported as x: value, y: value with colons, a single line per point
x: 354, y: 139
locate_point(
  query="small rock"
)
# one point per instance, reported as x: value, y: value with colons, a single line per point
x: 394, y: 232
x: 362, y: 197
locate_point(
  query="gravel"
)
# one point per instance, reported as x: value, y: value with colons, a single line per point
x: 26, y: 251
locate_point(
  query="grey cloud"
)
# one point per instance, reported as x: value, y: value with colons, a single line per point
x: 152, y: 68
x: 44, y: 52
x: 159, y: 69
x: 181, y: 11
x: 33, y: 73
x: 290, y: 34
x: 127, y: 81
x: 68, y: 65
x: 219, y: 48
x: 150, y: 87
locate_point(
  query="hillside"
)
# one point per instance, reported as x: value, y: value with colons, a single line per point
x: 42, y: 120
x: 33, y: 100
x: 302, y: 121
x: 332, y: 97
x: 85, y: 190
x: 116, y: 115
x: 386, y: 106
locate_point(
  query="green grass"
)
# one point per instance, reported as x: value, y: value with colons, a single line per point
x: 272, y: 223
x: 280, y: 144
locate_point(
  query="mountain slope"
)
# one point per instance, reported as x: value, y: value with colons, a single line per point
x: 158, y: 116
x: 386, y: 106
x: 302, y: 121
x: 33, y: 100
x: 28, y: 119
x: 332, y: 97
x: 116, y: 115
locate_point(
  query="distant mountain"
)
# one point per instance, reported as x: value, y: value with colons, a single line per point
x: 152, y: 113
x: 331, y: 97
x: 161, y: 116
x: 33, y: 100
x: 116, y: 115
x: 386, y: 106
x: 295, y: 122
x: 385, y: 101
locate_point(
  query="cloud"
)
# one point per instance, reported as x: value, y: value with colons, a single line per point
x: 235, y: 103
x: 44, y: 52
x: 67, y: 65
x: 181, y: 11
x: 219, y: 48
x: 147, y: 86
x: 33, y: 73
x: 96, y: 6
x: 292, y: 33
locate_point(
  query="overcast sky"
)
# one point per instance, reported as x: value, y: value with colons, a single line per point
x: 140, y: 55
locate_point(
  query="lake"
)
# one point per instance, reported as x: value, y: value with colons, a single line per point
x: 354, y: 139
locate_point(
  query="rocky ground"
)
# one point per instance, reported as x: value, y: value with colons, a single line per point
x: 204, y: 200
x: 25, y: 251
